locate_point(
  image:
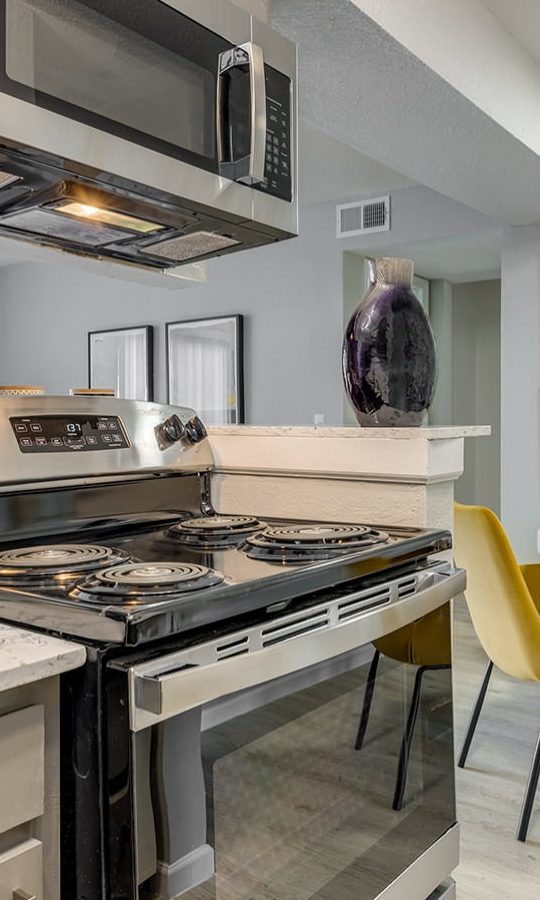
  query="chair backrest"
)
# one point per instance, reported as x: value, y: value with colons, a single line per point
x: 502, y: 610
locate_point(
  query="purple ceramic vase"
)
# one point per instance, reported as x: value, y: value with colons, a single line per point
x: 389, y: 351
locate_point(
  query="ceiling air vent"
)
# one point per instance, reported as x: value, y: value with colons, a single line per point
x: 363, y: 217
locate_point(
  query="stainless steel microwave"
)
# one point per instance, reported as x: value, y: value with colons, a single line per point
x: 154, y: 132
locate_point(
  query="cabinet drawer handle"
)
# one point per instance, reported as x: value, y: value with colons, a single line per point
x: 19, y: 894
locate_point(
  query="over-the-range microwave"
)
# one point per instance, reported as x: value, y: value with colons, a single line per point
x: 156, y: 132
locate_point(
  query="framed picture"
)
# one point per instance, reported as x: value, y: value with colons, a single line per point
x: 122, y: 359
x: 205, y: 368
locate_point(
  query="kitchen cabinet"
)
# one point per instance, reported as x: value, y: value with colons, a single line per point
x: 22, y: 766
x: 21, y: 872
x: 30, y: 665
x: 29, y: 792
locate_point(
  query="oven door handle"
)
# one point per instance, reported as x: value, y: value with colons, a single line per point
x: 186, y: 679
x: 250, y: 55
x: 178, y: 682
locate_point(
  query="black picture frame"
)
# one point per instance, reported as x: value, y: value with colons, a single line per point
x: 230, y: 413
x: 145, y: 365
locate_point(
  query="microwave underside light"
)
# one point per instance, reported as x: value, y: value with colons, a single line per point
x: 106, y: 217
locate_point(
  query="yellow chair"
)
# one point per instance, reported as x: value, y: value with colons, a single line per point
x: 504, y: 603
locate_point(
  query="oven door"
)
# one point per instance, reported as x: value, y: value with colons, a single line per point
x: 182, y: 79
x: 250, y: 777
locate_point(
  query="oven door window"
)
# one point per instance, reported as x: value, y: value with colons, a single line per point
x: 141, y: 71
x: 266, y: 796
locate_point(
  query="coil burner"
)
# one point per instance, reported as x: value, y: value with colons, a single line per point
x: 139, y: 582
x: 312, y: 542
x: 216, y: 531
x: 55, y: 562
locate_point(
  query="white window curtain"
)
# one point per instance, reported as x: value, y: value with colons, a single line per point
x: 203, y: 369
x: 119, y: 360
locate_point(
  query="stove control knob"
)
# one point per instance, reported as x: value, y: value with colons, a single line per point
x: 195, y: 430
x: 173, y: 429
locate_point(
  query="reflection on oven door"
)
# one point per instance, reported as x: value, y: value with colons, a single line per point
x: 265, y: 796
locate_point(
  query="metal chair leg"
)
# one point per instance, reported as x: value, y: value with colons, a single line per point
x: 403, y: 767
x: 530, y: 793
x: 407, y: 741
x: 474, y: 717
x: 368, y: 697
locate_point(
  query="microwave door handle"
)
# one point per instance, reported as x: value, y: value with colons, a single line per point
x: 249, y: 54
x: 184, y: 680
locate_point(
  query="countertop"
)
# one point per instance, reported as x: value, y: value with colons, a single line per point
x: 26, y: 656
x: 354, y: 432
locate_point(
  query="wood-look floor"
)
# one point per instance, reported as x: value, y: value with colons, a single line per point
x: 490, y: 790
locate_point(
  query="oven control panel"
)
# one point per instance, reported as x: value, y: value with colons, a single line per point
x: 68, y: 434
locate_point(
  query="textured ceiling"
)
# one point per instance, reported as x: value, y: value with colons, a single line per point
x: 363, y: 88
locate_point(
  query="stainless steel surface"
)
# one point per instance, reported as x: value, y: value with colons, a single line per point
x: 141, y: 421
x: 257, y: 100
x: 143, y: 815
x: 282, y: 56
x: 26, y: 125
x: 428, y: 871
x: 257, y: 93
x: 183, y: 680
x: 87, y: 150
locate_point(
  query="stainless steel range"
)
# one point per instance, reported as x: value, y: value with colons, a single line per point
x: 210, y: 744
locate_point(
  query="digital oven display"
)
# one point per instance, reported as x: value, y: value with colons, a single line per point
x: 63, y: 434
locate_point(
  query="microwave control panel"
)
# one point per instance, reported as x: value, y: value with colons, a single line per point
x: 68, y: 434
x: 279, y: 150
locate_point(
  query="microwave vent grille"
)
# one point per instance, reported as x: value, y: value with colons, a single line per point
x: 363, y: 217
x: 7, y: 179
x: 190, y: 246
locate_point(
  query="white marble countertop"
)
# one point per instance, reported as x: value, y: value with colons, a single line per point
x: 424, y: 433
x: 26, y: 656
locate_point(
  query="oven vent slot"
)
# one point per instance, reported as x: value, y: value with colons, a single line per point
x: 295, y: 628
x: 361, y: 607
x: 336, y: 611
x: 406, y: 588
x: 349, y: 608
x: 233, y: 648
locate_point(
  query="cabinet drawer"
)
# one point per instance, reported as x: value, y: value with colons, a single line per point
x: 21, y: 872
x: 22, y: 766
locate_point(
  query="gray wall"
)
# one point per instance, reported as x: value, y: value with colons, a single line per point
x: 476, y: 386
x: 520, y: 371
x: 290, y: 293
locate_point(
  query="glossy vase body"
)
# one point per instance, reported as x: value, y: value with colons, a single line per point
x: 389, y: 351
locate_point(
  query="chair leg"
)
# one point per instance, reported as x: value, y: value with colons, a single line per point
x: 530, y: 793
x: 368, y: 697
x: 474, y: 717
x: 401, y: 781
